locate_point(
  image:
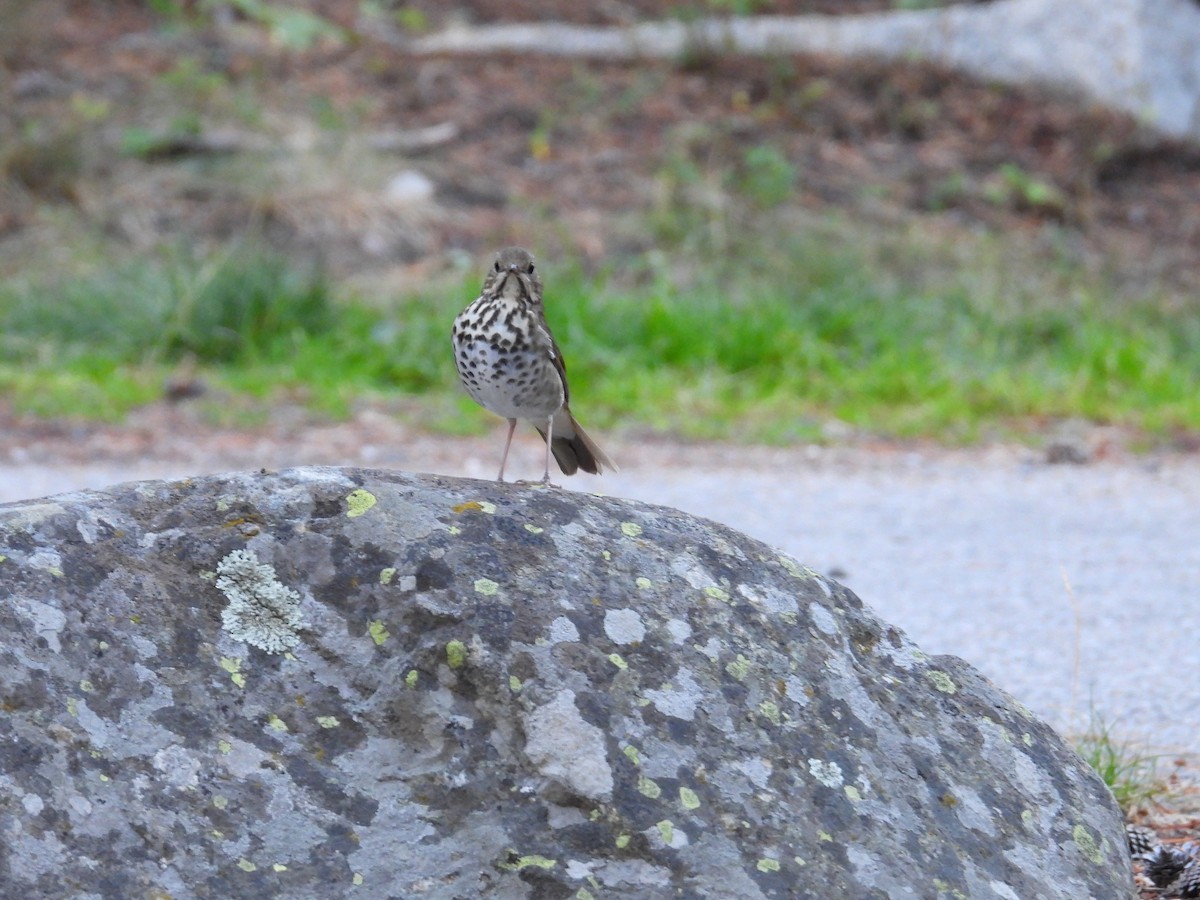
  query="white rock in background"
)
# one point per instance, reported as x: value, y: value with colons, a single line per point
x: 408, y: 188
x: 1139, y: 56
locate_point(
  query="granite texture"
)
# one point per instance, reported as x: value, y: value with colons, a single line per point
x: 348, y: 683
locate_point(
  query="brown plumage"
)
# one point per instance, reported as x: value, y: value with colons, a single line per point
x: 510, y: 364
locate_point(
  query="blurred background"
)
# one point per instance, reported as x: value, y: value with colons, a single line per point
x: 258, y: 208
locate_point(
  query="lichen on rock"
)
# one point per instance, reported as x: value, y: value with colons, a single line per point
x: 628, y: 702
x: 261, y: 612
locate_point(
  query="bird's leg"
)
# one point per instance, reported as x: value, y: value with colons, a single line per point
x: 549, y: 438
x: 512, y: 426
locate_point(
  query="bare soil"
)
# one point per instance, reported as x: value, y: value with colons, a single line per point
x: 581, y: 144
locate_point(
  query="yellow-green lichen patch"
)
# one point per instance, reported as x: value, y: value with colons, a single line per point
x: 533, y: 529
x: 1027, y: 739
x: 279, y: 867
x: 486, y: 586
x: 224, y: 747
x: 357, y: 879
x: 454, y: 529
x: 770, y: 712
x: 942, y: 681
x: 632, y: 754
x: 631, y: 529
x: 825, y: 836
x: 72, y: 706
x: 795, y: 569
x: 482, y: 506
x: 233, y: 666
x: 648, y: 788
x: 739, y: 668
x: 688, y: 798
x: 622, y: 841
x: 358, y: 502
x: 717, y: 593
x: 766, y: 864
x: 246, y: 866
x: 456, y: 654
x: 86, y: 686
x: 584, y: 894
x: 412, y: 678
x: 618, y: 661
x: 852, y: 793
x: 220, y: 801
x: 1027, y: 818
x: 1087, y: 845
x: 514, y: 683
x: 378, y: 632
x: 247, y: 525
x: 532, y: 861
x: 644, y: 583
x: 276, y: 723
x: 386, y: 575
x: 945, y: 887
x: 328, y: 721
x: 666, y: 829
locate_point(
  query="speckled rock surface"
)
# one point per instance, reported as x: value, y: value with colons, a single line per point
x: 346, y: 683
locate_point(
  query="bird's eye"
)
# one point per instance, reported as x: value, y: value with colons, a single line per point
x: 531, y: 268
x: 496, y: 266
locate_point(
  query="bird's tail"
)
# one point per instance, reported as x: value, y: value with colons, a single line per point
x: 573, y: 449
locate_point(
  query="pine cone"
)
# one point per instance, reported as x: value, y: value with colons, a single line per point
x: 1141, y: 839
x: 1188, y: 885
x: 1165, y: 865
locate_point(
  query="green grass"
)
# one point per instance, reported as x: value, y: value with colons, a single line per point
x: 1130, y: 774
x: 766, y: 340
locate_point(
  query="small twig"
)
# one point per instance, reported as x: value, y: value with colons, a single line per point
x: 407, y: 140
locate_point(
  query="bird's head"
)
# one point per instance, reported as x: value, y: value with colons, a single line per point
x: 513, y: 275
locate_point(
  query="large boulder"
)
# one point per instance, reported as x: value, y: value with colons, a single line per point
x: 325, y: 683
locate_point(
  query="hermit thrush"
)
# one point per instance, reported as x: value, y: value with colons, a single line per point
x: 509, y: 363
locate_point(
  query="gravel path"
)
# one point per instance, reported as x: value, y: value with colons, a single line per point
x: 970, y: 552
x: 973, y: 557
